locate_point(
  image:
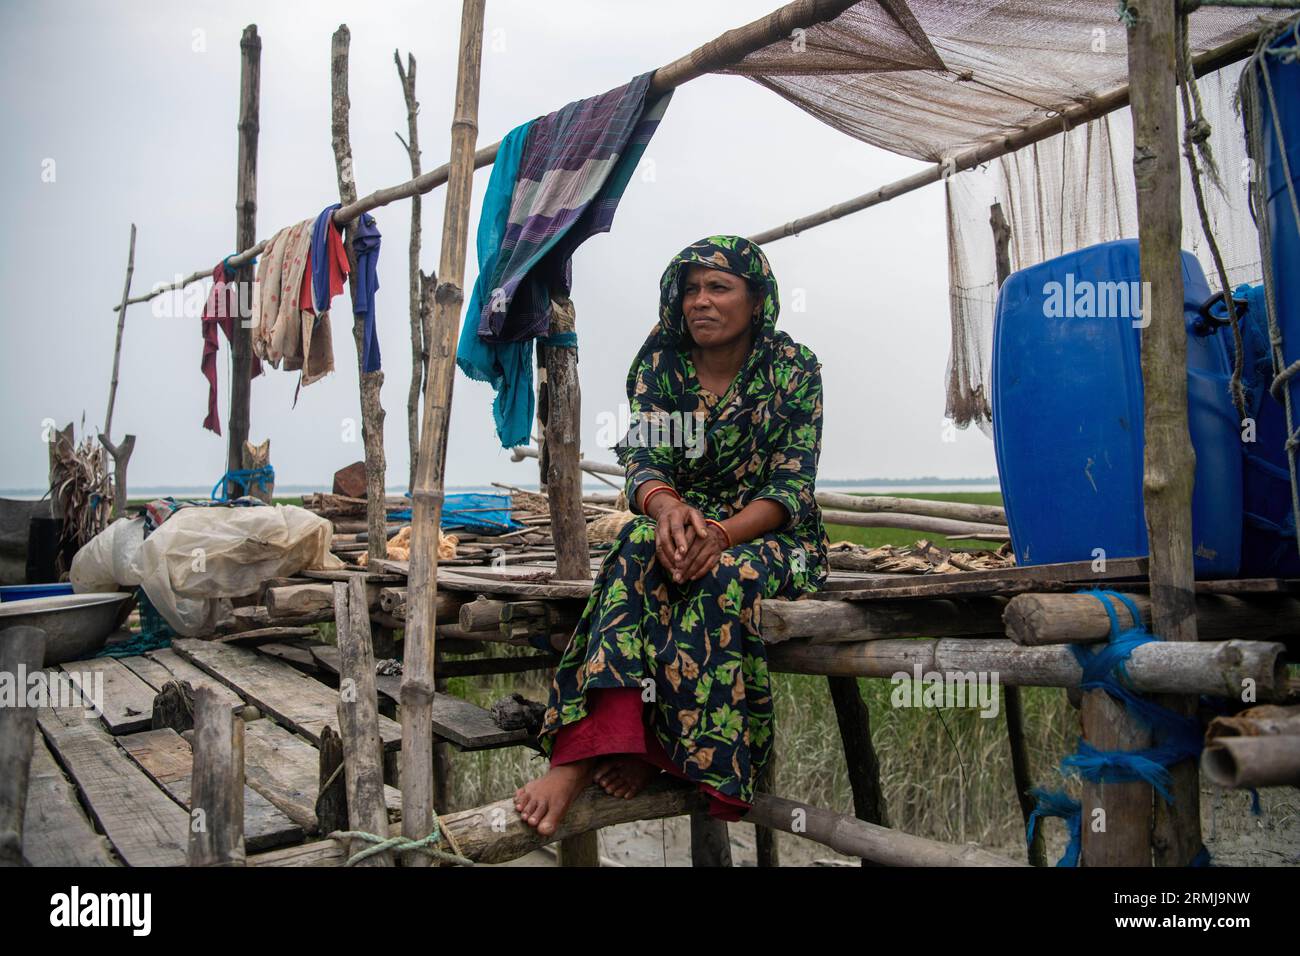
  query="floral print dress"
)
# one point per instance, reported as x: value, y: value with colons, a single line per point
x: 695, y: 649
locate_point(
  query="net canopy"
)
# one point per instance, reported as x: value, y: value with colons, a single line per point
x: 932, y: 79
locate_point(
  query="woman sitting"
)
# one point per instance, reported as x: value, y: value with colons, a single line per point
x: 666, y: 669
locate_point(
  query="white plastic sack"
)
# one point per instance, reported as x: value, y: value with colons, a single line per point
x: 111, y: 559
x: 200, y: 556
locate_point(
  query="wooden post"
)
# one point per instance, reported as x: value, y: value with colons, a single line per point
x: 358, y: 711
x: 217, y: 796
x: 418, y: 665
x: 121, y: 454
x: 710, y: 841
x: 22, y: 651
x: 564, y: 477
x: 1169, y: 460
x: 859, y: 753
x: 372, y: 411
x: 331, y: 791
x: 766, y: 849
x: 559, y: 456
x: 415, y: 279
x: 241, y: 346
x: 1010, y: 693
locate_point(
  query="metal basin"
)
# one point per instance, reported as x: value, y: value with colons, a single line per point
x: 76, y: 626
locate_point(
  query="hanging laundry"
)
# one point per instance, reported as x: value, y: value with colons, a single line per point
x: 571, y: 173
x: 512, y: 408
x: 365, y: 246
x: 282, y: 331
x: 219, y: 313
x: 327, y: 265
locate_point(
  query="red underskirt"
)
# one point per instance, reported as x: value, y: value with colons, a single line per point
x: 616, y: 724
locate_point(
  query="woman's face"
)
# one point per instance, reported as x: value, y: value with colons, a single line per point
x: 718, y: 306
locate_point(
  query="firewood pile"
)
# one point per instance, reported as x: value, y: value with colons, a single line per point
x: 924, y: 557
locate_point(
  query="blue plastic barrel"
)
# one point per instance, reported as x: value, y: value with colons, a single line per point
x: 1268, y: 536
x: 1068, y: 413
x: 1268, y: 546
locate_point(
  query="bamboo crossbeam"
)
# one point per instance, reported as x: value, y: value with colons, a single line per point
x: 495, y: 833
x: 1253, y: 761
x: 1164, y: 667
x: 1067, y: 119
x: 722, y: 51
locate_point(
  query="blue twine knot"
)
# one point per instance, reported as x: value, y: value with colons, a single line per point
x: 263, y: 477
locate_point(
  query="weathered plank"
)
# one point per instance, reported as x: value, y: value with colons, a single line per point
x: 466, y: 725
x: 167, y: 758
x: 291, y: 697
x: 128, y: 700
x: 55, y: 830
x: 144, y: 825
x: 285, y: 769
x: 158, y: 667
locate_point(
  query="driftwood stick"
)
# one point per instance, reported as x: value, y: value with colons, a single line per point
x: 117, y: 348
x: 121, y: 455
x: 372, y: 409
x: 906, y: 522
x: 217, y: 796
x: 885, y: 504
x: 419, y: 656
x: 358, y: 712
x: 414, y: 277
x: 22, y: 652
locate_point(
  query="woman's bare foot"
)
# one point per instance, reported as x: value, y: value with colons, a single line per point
x: 544, y: 802
x: 625, y: 776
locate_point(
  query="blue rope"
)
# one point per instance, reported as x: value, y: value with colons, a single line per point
x: 1178, y: 738
x: 263, y: 477
x: 560, y: 340
x: 225, y: 263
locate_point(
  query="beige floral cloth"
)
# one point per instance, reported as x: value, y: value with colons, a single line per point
x: 284, y: 334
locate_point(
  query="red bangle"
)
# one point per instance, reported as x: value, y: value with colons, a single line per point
x: 645, y: 504
x: 725, y: 533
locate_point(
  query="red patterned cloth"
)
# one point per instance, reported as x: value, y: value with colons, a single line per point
x: 616, y: 724
x: 219, y: 313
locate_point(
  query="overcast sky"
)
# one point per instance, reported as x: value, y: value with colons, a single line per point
x: 131, y: 108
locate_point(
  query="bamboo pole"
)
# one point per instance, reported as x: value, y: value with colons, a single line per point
x: 241, y: 343
x: 1169, y: 461
x: 372, y: 409
x: 121, y: 454
x: 22, y: 649
x: 1253, y: 761
x: 1164, y: 667
x: 1067, y: 119
x: 1080, y: 618
x: 217, y: 795
x: 731, y: 46
x: 415, y: 279
x: 418, y: 669
x: 495, y: 833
